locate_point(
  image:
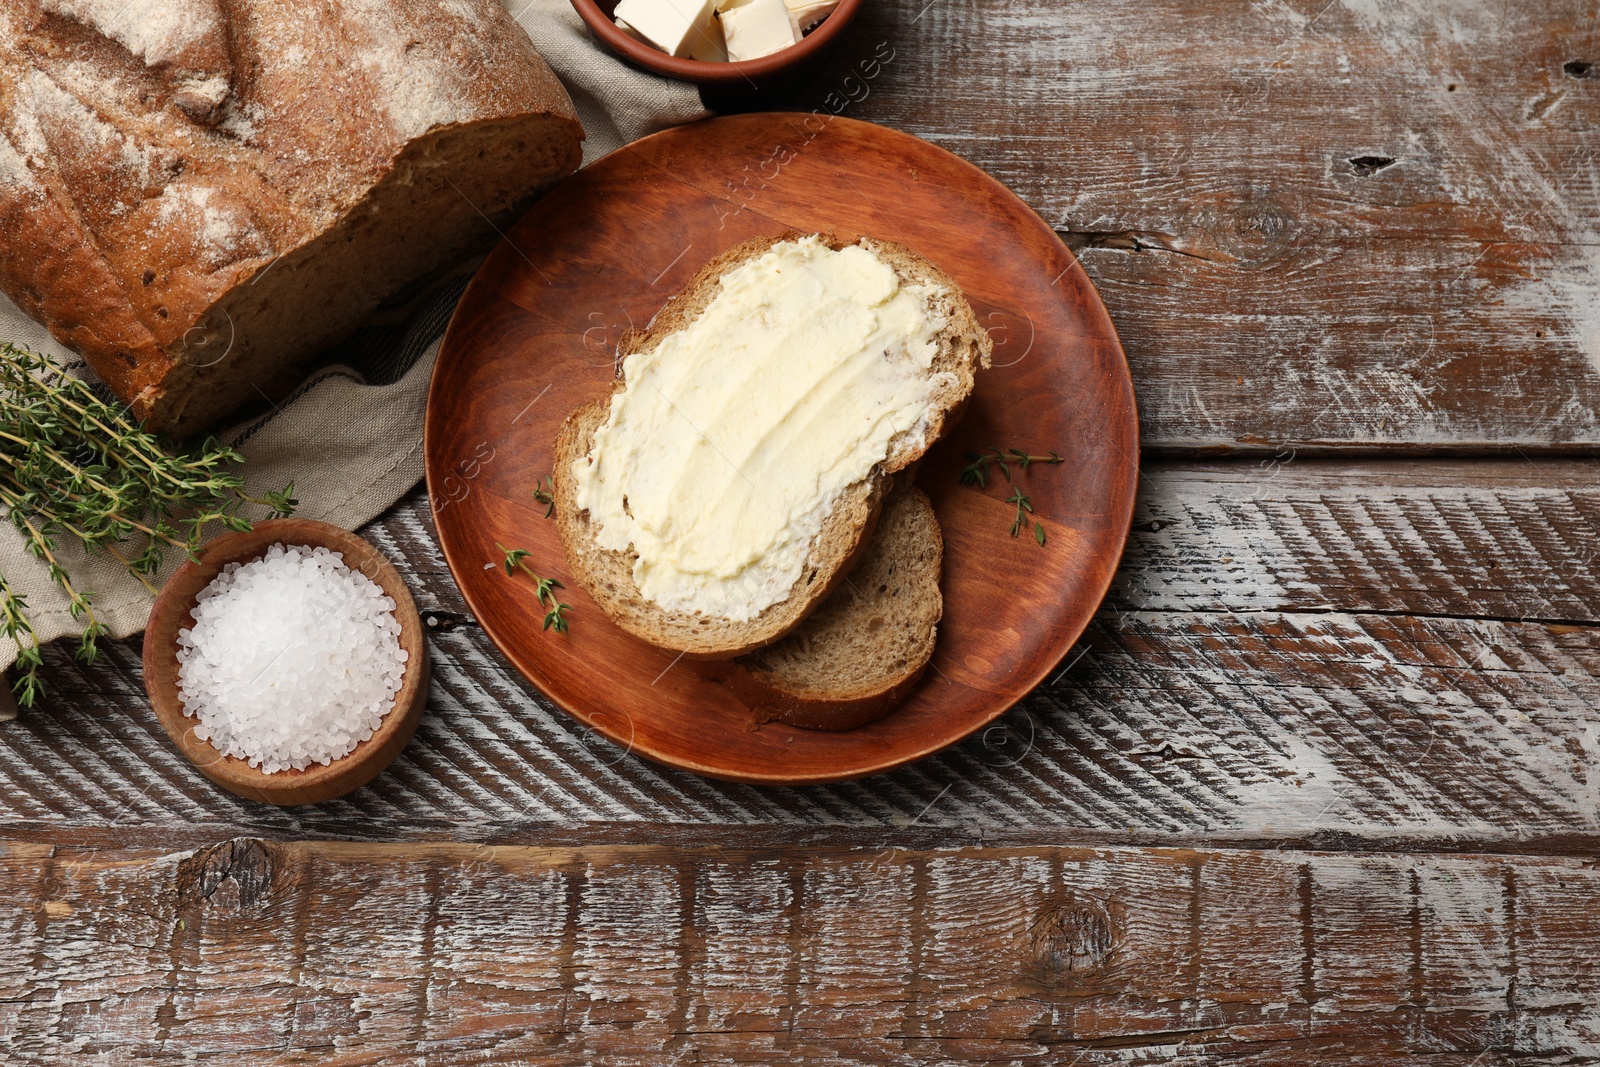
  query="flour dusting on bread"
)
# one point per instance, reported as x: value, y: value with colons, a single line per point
x: 265, y: 171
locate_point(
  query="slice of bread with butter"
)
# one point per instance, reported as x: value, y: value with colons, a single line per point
x: 736, y: 470
x: 856, y: 657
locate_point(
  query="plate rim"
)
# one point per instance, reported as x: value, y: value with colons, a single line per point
x: 900, y: 758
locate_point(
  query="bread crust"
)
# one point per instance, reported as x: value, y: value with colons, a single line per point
x: 607, y: 575
x: 768, y: 703
x: 200, y: 217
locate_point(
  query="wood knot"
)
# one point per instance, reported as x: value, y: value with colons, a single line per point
x: 233, y: 875
x: 1248, y: 229
x: 443, y: 622
x: 1366, y: 166
x: 1073, y: 937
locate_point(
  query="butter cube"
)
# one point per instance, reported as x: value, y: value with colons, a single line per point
x: 758, y: 28
x: 712, y: 46
x: 678, y: 27
x: 805, y: 14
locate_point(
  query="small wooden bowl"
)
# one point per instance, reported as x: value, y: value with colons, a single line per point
x: 172, y: 612
x: 598, y: 15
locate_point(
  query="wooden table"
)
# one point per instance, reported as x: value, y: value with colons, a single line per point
x: 1321, y: 784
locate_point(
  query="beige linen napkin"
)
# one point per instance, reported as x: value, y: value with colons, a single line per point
x: 351, y: 437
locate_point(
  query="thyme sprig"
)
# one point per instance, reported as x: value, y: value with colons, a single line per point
x: 1024, y: 505
x: 15, y: 625
x: 977, y: 471
x: 546, y: 496
x: 73, y: 466
x: 544, y: 588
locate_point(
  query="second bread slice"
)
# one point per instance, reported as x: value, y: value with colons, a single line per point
x: 856, y: 657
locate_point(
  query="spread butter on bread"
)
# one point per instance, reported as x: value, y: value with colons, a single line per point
x: 735, y: 472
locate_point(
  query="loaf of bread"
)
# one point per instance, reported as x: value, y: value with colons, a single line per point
x: 608, y: 574
x: 856, y: 657
x: 200, y: 195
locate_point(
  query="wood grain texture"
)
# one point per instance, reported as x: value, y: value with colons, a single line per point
x: 1318, y: 226
x: 253, y: 952
x: 535, y: 337
x: 1290, y: 654
x: 1514, y: 540
x: 1344, y: 224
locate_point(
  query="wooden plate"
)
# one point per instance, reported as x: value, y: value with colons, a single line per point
x: 535, y: 336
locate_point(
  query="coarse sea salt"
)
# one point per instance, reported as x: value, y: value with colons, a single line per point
x: 293, y: 659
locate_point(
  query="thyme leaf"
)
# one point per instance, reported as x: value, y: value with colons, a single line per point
x: 546, y: 496
x: 977, y: 473
x: 543, y: 588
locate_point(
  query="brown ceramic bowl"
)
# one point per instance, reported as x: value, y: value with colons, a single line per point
x: 316, y: 783
x: 597, y: 14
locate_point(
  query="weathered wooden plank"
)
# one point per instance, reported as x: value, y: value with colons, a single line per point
x: 478, y: 988
x: 738, y: 980
x: 1345, y: 223
x: 1289, y: 655
x: 1509, y: 540
x: 381, y: 954
x: 24, y: 869
x: 1513, y: 539
x: 1172, y: 726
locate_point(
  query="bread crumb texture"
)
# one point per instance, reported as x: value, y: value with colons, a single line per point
x: 857, y: 655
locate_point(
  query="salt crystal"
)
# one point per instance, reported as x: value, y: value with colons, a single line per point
x: 293, y: 659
